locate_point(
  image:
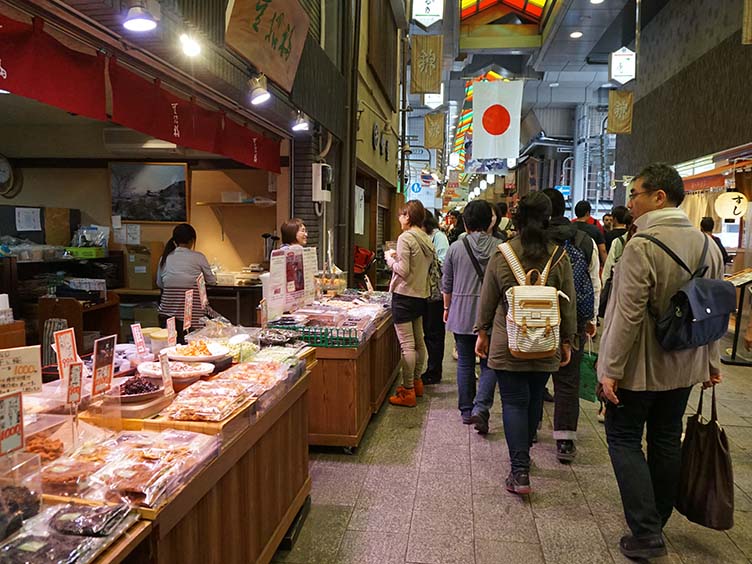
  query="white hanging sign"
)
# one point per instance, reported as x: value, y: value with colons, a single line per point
x: 622, y: 65
x: 731, y: 205
x: 428, y: 12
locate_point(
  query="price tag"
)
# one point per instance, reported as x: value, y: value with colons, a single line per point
x: 11, y: 422
x: 65, y: 347
x: 104, y: 364
x: 166, y: 376
x: 74, y: 384
x: 188, y: 310
x: 138, y: 338
x: 201, y: 283
x: 21, y: 369
x: 172, y: 334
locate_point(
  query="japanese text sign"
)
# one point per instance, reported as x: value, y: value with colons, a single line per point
x: 172, y: 334
x: 138, y: 338
x: 73, y: 396
x: 11, y: 422
x: 65, y: 347
x: 188, y: 310
x: 21, y: 369
x: 201, y: 283
x: 270, y: 34
x: 104, y: 364
x: 166, y: 376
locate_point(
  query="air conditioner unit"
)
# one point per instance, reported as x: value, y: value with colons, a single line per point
x: 322, y: 183
x: 122, y: 140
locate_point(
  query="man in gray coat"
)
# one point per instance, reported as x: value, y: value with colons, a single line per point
x: 645, y: 384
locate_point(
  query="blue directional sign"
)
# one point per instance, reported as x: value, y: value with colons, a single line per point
x: 566, y: 191
x: 415, y: 188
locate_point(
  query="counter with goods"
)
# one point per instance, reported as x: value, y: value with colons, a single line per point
x: 358, y: 357
x: 224, y: 453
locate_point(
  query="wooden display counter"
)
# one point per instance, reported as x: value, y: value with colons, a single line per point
x: 238, y: 508
x: 348, y: 385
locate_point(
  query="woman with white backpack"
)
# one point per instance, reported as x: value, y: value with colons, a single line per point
x: 527, y: 303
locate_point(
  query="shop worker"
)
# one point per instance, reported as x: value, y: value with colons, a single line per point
x: 178, y: 270
x: 293, y: 232
x: 646, y: 385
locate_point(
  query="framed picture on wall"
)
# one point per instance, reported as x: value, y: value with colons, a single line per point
x: 149, y: 192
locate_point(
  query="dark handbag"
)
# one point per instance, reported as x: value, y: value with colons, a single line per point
x: 706, y: 483
x: 699, y: 311
x: 588, y: 373
x: 473, y: 259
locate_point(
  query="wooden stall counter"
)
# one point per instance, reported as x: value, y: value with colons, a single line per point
x: 349, y: 385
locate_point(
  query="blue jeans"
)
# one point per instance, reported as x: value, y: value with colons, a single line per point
x: 470, y: 402
x: 522, y: 401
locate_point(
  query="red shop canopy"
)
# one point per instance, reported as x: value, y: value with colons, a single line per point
x: 35, y: 65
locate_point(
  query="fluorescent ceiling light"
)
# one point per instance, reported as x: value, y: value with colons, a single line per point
x: 490, y: 178
x: 191, y: 47
x: 575, y: 34
x: 483, y: 185
x: 301, y: 123
x: 259, y: 92
x: 596, y: 1
x: 553, y: 85
x: 139, y: 19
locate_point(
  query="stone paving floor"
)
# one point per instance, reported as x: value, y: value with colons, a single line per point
x: 422, y: 488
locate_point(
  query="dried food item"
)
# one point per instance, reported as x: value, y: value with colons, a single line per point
x: 177, y: 369
x: 88, y: 521
x: 67, y: 477
x: 46, y: 447
x: 209, y: 401
x: 10, y: 522
x: 137, y: 385
x: 49, y: 549
x: 196, y: 348
x: 21, y: 498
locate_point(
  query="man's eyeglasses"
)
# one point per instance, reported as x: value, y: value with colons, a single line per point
x: 633, y: 195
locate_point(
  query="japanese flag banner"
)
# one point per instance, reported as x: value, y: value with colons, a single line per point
x: 496, y: 119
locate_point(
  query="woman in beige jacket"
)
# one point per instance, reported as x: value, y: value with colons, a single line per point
x: 410, y: 289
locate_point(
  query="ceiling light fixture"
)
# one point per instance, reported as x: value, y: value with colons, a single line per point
x: 596, y: 1
x: 259, y: 92
x: 553, y: 85
x: 575, y: 34
x: 476, y: 191
x: 139, y: 19
x: 483, y: 185
x: 191, y: 47
x: 4, y: 91
x: 301, y: 123
x: 490, y: 178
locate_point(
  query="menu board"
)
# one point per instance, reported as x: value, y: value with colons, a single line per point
x: 104, y: 364
x: 65, y: 348
x: 11, y: 422
x: 21, y: 369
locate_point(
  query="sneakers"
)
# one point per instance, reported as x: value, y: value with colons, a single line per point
x: 518, y: 483
x: 480, y: 422
x: 643, y: 548
x: 565, y: 451
x: 418, y: 383
x: 404, y: 397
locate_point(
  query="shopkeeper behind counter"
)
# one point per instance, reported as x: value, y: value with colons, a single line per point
x: 177, y: 272
x: 293, y: 232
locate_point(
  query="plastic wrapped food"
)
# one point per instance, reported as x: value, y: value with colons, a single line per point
x: 264, y: 375
x: 20, y: 498
x: 46, y: 447
x: 88, y: 521
x: 44, y: 549
x: 209, y: 401
x: 67, y: 476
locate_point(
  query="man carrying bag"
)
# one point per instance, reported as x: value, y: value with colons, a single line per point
x: 644, y: 383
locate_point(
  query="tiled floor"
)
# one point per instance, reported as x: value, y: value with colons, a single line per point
x: 425, y: 489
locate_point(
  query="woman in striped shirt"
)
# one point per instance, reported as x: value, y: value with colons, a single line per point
x: 177, y: 272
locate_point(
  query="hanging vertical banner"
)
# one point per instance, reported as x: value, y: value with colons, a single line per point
x: 747, y: 23
x: 433, y: 131
x: 619, y: 111
x: 425, y: 68
x: 269, y: 34
x: 496, y: 119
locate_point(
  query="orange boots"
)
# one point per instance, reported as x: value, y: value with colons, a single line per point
x: 404, y: 397
x: 418, y: 387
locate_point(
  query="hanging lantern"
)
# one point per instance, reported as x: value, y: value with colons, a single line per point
x: 731, y: 205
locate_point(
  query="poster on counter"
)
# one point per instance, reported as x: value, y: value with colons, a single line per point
x: 73, y: 394
x: 201, y: 283
x: 275, y: 305
x: 104, y: 364
x: 21, y: 369
x: 11, y: 422
x: 188, y: 310
x: 65, y: 348
x: 294, y: 277
x: 310, y: 267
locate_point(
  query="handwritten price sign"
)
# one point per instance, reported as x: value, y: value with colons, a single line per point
x: 65, y: 346
x: 138, y: 338
x: 188, y: 310
x: 172, y: 334
x: 21, y: 369
x: 11, y: 422
x: 74, y: 383
x: 166, y: 376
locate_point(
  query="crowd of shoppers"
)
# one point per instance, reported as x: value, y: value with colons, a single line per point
x: 485, y: 254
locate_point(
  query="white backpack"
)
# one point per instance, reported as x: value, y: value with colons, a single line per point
x: 533, y: 316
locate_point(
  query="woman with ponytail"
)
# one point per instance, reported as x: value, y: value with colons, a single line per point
x: 521, y: 381
x: 178, y: 271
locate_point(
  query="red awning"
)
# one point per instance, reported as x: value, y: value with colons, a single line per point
x: 714, y: 178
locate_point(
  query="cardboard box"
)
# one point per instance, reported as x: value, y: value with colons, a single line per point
x: 139, y: 273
